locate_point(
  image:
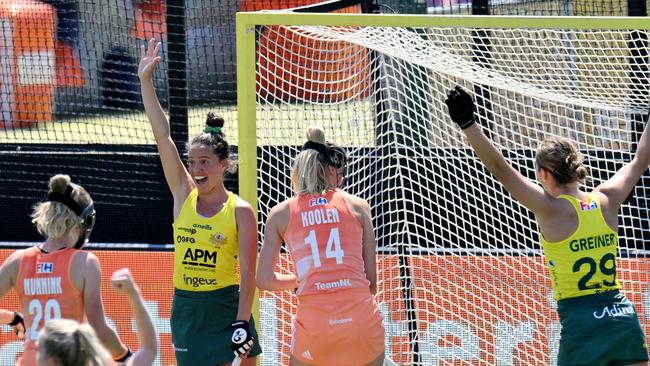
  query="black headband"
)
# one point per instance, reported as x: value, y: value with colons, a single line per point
x: 66, y: 199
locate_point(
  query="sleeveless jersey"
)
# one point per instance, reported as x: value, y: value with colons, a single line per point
x: 45, y: 291
x: 585, y: 262
x: 205, y: 249
x: 325, y: 242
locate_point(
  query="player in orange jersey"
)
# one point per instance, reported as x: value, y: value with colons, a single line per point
x: 331, y: 239
x: 56, y: 279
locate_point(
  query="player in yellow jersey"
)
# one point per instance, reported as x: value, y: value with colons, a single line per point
x: 56, y: 279
x: 214, y: 230
x: 579, y: 232
x: 331, y: 240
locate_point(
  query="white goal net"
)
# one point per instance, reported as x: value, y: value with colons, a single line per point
x: 462, y: 280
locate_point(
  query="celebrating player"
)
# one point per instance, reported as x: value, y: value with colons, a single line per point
x: 579, y: 235
x: 56, y: 279
x: 330, y: 237
x: 213, y: 229
x: 65, y: 342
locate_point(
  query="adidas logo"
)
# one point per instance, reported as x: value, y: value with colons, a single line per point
x: 307, y: 355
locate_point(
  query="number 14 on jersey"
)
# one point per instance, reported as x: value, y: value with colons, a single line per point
x: 332, y: 249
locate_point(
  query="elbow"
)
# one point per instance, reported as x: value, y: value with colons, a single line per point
x: 262, y: 281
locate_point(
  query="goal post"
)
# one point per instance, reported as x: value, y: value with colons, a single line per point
x: 462, y: 279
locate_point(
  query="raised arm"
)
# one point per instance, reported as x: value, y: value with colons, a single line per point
x: 122, y: 282
x: 529, y: 194
x: 178, y: 179
x: 267, y: 278
x: 94, y: 308
x: 618, y: 187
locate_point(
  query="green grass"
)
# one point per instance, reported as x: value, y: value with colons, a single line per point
x: 284, y: 125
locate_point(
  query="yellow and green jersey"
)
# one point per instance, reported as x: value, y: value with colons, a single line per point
x: 205, y: 248
x: 585, y: 262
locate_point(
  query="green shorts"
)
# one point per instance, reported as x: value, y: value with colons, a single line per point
x: 200, y: 325
x: 600, y: 330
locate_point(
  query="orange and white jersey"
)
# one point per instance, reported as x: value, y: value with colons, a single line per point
x: 325, y: 241
x: 45, y: 291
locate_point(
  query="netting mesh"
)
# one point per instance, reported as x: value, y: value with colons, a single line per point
x: 461, y: 274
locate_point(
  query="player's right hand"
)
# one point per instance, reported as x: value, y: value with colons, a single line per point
x: 122, y: 281
x: 242, y: 340
x: 461, y: 107
x: 148, y: 59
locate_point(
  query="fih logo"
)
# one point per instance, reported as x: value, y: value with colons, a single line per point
x: 45, y: 267
x: 588, y: 205
x: 317, y: 201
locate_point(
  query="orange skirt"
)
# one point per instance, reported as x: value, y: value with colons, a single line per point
x: 343, y: 328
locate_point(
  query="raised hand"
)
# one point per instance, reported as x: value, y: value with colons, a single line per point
x: 148, y: 60
x: 122, y: 281
x: 461, y: 107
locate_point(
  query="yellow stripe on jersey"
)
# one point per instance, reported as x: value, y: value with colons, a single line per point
x: 585, y: 262
x: 205, y: 248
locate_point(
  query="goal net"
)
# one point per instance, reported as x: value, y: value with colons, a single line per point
x: 462, y: 279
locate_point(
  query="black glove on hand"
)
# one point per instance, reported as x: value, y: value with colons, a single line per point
x: 242, y: 340
x: 461, y: 107
x: 18, y: 324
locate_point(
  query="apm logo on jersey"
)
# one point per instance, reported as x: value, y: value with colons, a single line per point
x: 317, y: 201
x: 44, y: 267
x: 588, y: 205
x: 200, y: 257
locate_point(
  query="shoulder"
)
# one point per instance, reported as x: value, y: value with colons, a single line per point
x: 280, y: 213
x: 358, y: 205
x: 17, y: 255
x: 12, y: 263
x: 243, y: 208
x: 600, y: 196
x: 85, y: 261
x: 242, y: 204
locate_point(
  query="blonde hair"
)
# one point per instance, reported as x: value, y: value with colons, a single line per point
x: 309, y: 173
x: 70, y: 343
x: 55, y: 219
x: 560, y: 157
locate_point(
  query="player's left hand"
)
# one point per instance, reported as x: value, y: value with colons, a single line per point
x: 461, y: 107
x: 18, y: 325
x: 242, y: 340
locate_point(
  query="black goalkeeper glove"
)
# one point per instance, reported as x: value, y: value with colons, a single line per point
x: 461, y: 107
x: 242, y: 340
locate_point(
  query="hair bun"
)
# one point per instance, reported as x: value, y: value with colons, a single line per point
x: 214, y: 124
x: 214, y: 120
x: 316, y: 134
